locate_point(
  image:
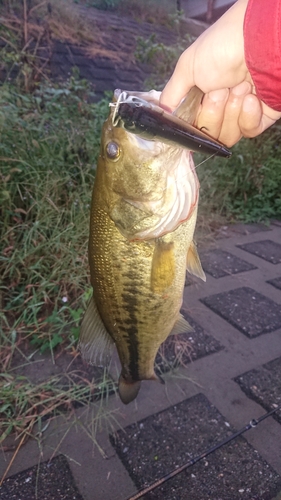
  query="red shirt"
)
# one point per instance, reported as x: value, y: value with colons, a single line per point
x: 262, y: 39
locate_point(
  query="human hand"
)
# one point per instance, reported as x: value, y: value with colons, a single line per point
x: 229, y: 114
x: 215, y: 63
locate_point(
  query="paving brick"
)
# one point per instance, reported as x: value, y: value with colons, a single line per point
x: 266, y: 249
x: 51, y: 480
x: 249, y: 311
x: 219, y: 263
x: 184, y: 348
x: 263, y: 385
x: 66, y: 373
x: 161, y: 442
x: 276, y: 282
x: 190, y: 279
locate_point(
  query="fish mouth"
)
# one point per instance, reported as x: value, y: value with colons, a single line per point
x: 150, y: 121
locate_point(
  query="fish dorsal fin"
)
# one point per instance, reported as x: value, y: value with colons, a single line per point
x: 188, y: 108
x: 181, y: 326
x: 95, y: 343
x: 163, y: 266
x: 193, y: 264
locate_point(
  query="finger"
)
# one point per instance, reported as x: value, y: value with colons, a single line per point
x: 230, y: 131
x: 211, y: 114
x: 250, y: 119
x: 256, y: 116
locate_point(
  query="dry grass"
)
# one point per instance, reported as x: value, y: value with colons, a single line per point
x: 159, y: 12
x: 67, y: 24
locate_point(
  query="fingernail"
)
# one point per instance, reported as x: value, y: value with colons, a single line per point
x: 218, y: 95
x: 241, y: 89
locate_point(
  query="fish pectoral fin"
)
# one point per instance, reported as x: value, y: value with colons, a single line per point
x: 163, y: 266
x: 95, y: 343
x: 181, y: 326
x: 193, y: 264
x: 188, y: 109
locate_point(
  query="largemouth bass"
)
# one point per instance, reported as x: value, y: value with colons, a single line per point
x: 143, y: 216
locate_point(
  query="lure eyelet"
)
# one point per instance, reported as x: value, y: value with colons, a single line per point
x: 112, y: 150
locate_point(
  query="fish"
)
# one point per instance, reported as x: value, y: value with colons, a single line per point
x: 143, y: 216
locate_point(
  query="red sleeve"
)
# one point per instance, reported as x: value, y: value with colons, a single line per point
x: 262, y: 38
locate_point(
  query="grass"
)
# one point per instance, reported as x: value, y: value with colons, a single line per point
x: 161, y: 12
x: 26, y: 404
x: 49, y: 143
x: 27, y: 409
x: 247, y: 186
x: 160, y: 57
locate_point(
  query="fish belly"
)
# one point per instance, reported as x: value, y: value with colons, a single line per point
x: 137, y: 287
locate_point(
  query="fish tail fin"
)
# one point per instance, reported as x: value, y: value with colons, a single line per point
x: 95, y: 343
x: 128, y: 391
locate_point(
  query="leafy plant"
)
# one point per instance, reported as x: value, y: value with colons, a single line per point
x: 49, y: 141
x: 248, y: 185
x: 160, y: 57
x: 26, y: 41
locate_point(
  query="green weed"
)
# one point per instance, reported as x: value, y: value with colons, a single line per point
x: 247, y: 186
x: 160, y: 57
x: 24, y: 404
x: 49, y: 141
x: 153, y: 11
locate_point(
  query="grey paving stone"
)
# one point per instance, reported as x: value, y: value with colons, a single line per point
x: 158, y: 444
x: 249, y: 311
x: 186, y: 347
x: 219, y: 263
x: 190, y: 279
x: 266, y: 249
x: 275, y: 282
x: 67, y: 373
x: 51, y: 480
x: 263, y: 385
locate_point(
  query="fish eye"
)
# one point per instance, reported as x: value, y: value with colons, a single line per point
x: 113, y: 150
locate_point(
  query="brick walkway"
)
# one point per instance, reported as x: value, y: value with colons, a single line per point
x: 232, y: 375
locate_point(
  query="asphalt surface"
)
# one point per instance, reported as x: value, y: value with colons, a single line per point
x: 231, y: 375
